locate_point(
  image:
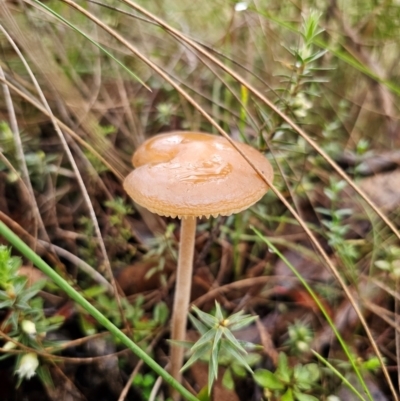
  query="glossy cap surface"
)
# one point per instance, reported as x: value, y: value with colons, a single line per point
x: 189, y: 174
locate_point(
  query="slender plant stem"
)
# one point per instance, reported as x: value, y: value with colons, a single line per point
x: 182, y: 295
x: 80, y: 300
x: 323, y: 311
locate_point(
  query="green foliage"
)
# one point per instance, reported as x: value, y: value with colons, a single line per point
x: 143, y: 325
x: 217, y: 339
x: 302, y: 83
x: 39, y: 163
x: 122, y: 233
x: 162, y: 248
x: 389, y: 261
x: 367, y: 365
x: 145, y: 383
x: 25, y: 320
x: 80, y: 300
x: 300, y: 338
x: 234, y: 368
x: 334, y: 222
x: 289, y: 384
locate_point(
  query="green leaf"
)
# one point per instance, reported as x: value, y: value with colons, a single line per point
x: 315, y: 56
x: 206, y: 338
x: 217, y: 339
x: 288, y: 396
x: 213, y: 365
x: 313, y: 371
x: 283, y: 371
x: 218, y: 312
x: 306, y: 375
x: 238, y: 369
x: 94, y: 291
x: 200, y: 353
x: 231, y: 338
x: 209, y: 320
x: 227, y: 380
x: 200, y: 327
x: 33, y: 290
x: 268, y: 380
x: 203, y: 394
x: 160, y: 313
x: 245, y: 321
x: 6, y: 304
x: 239, y: 358
x: 252, y: 358
x: 304, y: 397
x: 236, y: 317
x: 211, y: 377
x: 302, y: 377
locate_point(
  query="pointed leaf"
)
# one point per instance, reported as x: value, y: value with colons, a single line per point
x: 283, y: 371
x: 200, y: 327
x: 288, y: 396
x: 217, y: 339
x: 218, y: 312
x: 227, y: 380
x: 304, y: 397
x: 200, y: 353
x: 231, y: 338
x: 268, y: 380
x: 232, y: 351
x: 205, y: 339
x: 245, y: 321
x: 209, y: 320
x: 211, y: 378
x: 236, y: 317
x: 213, y: 365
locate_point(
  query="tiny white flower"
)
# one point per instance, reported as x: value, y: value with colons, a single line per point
x: 28, y: 327
x: 241, y: 6
x: 302, y: 346
x: 9, y: 345
x: 27, y: 366
x: 301, y: 105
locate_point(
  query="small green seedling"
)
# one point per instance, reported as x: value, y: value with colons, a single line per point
x: 288, y: 384
x: 217, y: 339
x: 25, y: 321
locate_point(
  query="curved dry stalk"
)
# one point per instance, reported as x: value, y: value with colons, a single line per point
x: 78, y: 175
x: 37, y: 218
x: 35, y: 103
x: 182, y: 296
x: 72, y: 102
x: 274, y: 108
x: 275, y: 190
x: 81, y: 264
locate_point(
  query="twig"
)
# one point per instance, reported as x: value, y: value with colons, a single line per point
x: 81, y: 264
x: 77, y: 174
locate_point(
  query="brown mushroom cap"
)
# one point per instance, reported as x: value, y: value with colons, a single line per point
x: 188, y: 174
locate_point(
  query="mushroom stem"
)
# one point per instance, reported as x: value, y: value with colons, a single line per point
x: 182, y: 293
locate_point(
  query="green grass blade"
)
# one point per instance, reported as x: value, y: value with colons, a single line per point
x: 130, y: 72
x: 340, y: 54
x: 338, y: 374
x: 17, y: 243
x: 321, y: 308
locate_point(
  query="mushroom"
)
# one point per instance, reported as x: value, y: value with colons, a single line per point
x: 189, y: 175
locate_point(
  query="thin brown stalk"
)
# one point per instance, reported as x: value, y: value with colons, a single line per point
x: 78, y: 175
